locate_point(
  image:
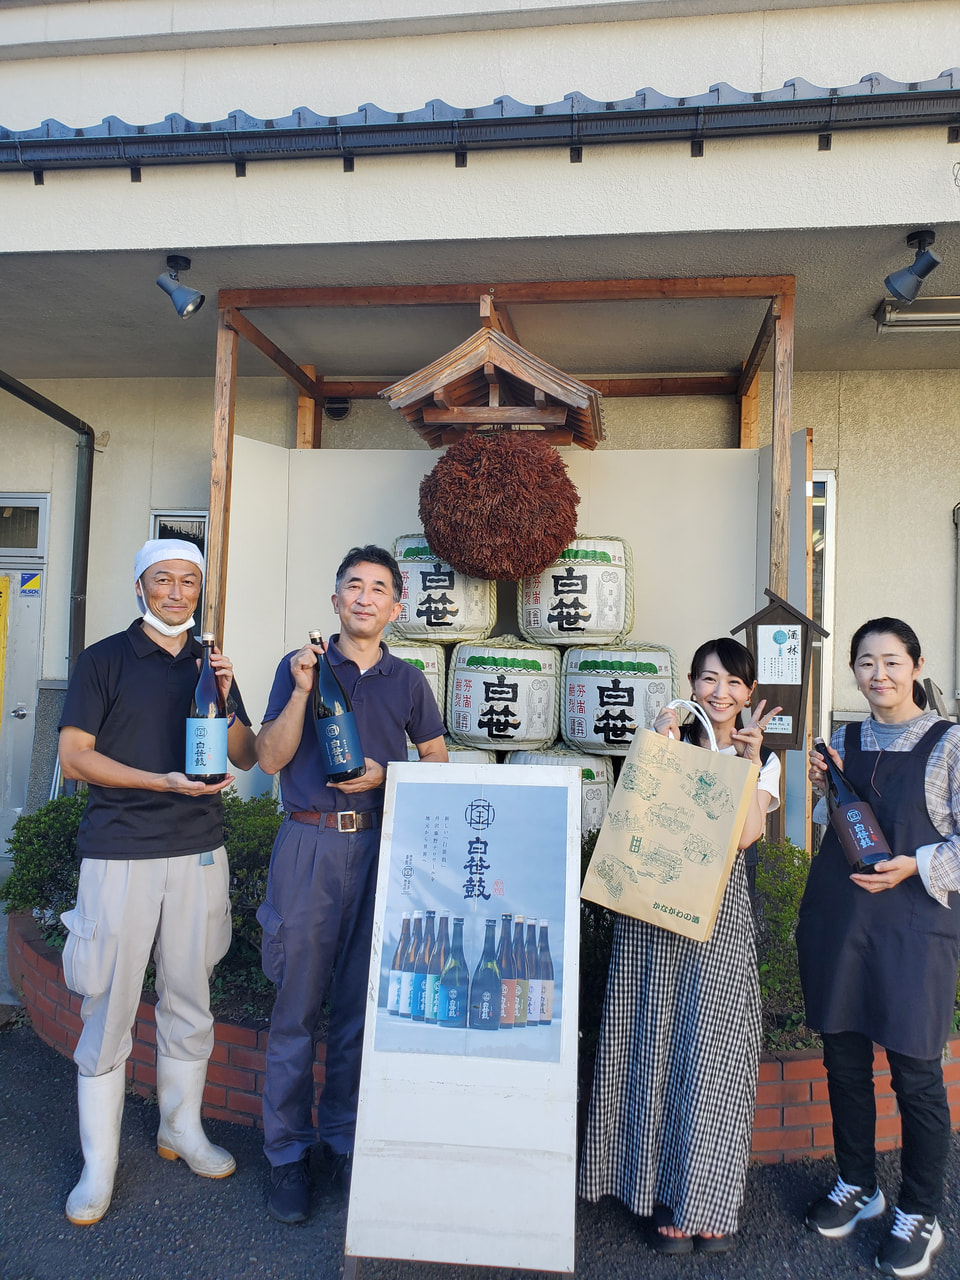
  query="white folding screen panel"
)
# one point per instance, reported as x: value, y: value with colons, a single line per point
x: 465, y: 1150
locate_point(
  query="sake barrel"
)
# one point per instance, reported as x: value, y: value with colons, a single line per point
x: 585, y: 597
x: 503, y: 695
x: 596, y: 779
x: 608, y: 694
x: 431, y: 660
x: 438, y: 603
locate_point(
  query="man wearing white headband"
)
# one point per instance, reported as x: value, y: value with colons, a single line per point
x: 153, y: 869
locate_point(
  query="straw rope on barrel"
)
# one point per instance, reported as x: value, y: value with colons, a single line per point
x: 608, y: 693
x: 585, y: 597
x: 504, y: 694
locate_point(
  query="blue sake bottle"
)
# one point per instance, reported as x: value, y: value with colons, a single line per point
x: 335, y: 723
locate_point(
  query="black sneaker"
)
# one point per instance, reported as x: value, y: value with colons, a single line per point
x: 909, y: 1248
x: 838, y: 1213
x: 289, y: 1199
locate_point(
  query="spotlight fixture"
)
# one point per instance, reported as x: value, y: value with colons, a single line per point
x: 185, y: 300
x: 905, y: 284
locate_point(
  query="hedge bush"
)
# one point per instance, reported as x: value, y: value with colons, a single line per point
x: 43, y: 846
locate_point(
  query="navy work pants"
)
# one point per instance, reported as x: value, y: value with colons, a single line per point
x: 924, y: 1118
x: 317, y: 924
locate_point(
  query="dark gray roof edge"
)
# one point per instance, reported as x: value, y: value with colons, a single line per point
x: 874, y: 102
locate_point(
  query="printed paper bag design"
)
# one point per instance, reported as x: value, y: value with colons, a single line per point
x: 667, y: 844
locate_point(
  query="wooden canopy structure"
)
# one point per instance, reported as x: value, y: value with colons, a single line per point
x: 777, y: 327
x: 490, y: 382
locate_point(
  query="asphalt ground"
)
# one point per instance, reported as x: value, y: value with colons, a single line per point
x: 166, y: 1223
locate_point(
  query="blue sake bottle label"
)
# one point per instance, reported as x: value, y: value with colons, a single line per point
x: 861, y: 828
x: 393, y: 991
x: 206, y: 747
x: 452, y: 1003
x: 340, y: 743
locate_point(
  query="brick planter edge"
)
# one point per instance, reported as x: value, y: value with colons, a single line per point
x: 792, y: 1118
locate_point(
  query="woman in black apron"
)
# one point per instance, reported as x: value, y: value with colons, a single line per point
x: 879, y: 952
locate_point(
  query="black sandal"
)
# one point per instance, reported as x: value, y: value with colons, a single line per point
x: 667, y: 1245
x: 713, y: 1244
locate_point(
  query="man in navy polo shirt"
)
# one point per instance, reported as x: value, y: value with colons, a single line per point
x: 154, y: 868
x: 318, y: 915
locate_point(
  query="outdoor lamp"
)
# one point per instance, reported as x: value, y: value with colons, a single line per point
x: 186, y: 300
x: 905, y: 284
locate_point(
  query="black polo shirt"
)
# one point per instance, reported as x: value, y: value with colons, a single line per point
x: 133, y: 697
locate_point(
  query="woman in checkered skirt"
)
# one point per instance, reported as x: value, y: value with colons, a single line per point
x: 671, y: 1114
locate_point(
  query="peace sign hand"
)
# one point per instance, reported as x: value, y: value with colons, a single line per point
x: 748, y: 739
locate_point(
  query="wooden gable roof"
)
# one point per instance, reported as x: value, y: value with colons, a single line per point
x: 490, y: 382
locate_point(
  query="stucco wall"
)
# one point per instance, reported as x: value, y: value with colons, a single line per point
x: 153, y: 453
x: 154, y: 439
x: 754, y: 50
x: 896, y: 490
x: 619, y: 190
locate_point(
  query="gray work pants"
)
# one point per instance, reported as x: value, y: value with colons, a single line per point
x: 123, y: 907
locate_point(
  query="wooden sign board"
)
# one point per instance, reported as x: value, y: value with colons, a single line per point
x: 780, y: 638
x: 465, y: 1149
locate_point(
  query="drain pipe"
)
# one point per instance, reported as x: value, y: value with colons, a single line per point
x: 82, y: 506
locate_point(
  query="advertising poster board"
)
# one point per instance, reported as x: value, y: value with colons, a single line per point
x: 469, y: 1081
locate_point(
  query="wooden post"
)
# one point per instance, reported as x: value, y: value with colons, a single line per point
x: 750, y: 417
x: 782, y: 425
x: 221, y: 463
x: 309, y: 416
x: 780, y: 482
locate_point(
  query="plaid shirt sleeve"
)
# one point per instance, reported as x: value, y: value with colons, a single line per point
x: 942, y: 788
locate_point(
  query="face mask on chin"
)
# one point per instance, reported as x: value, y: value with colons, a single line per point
x: 151, y: 620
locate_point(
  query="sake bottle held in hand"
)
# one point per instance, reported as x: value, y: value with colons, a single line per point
x: 206, y: 751
x: 335, y: 723
x: 854, y: 822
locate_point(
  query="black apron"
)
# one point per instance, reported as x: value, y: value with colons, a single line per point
x: 883, y: 964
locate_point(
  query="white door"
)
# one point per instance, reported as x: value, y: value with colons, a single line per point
x: 21, y: 601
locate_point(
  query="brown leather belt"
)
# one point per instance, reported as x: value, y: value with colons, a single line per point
x: 345, y: 820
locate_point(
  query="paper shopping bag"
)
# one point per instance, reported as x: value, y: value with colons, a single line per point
x: 671, y: 833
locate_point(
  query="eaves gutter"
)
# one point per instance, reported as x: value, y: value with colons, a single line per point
x: 577, y: 121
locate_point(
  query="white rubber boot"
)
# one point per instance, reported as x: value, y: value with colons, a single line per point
x: 180, y: 1093
x: 100, y: 1104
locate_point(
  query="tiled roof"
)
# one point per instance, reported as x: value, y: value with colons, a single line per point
x: 875, y: 101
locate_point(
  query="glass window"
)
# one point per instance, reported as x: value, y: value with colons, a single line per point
x: 19, y: 527
x: 23, y: 526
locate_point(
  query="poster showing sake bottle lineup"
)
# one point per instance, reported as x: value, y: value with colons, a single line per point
x: 471, y: 962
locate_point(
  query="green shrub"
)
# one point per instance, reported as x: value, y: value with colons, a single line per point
x: 781, y: 877
x: 43, y: 846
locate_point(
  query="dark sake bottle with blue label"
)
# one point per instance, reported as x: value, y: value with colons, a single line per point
x: 409, y: 964
x: 454, y: 986
x: 396, y: 968
x: 335, y: 723
x: 206, y: 753
x: 421, y: 968
x: 435, y: 966
x: 855, y: 823
x: 485, y: 991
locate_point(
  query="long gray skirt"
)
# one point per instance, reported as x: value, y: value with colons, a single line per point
x: 671, y: 1115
